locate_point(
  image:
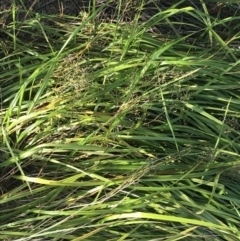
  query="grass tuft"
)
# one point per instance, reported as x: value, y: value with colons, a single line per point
x: 120, y: 127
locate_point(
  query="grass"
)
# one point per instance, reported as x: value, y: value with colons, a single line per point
x: 118, y: 130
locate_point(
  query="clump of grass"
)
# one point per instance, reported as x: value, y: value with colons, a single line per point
x: 112, y: 131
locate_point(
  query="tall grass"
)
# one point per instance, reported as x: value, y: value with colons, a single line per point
x: 112, y: 130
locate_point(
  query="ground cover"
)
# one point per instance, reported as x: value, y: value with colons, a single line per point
x: 120, y: 130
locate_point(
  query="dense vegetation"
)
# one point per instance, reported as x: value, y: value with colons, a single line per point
x: 121, y: 126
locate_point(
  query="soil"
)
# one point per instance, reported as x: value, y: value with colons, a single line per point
x: 128, y: 9
x: 74, y: 7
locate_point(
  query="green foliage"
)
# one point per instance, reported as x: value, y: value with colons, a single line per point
x: 113, y: 130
